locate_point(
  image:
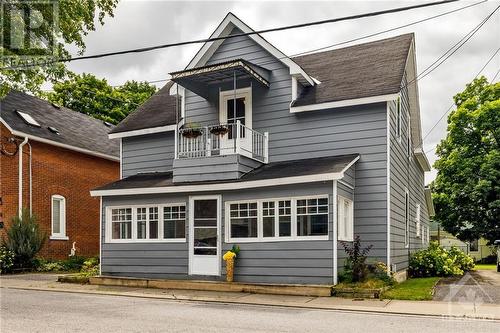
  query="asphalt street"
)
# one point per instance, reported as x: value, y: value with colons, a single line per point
x: 43, y: 311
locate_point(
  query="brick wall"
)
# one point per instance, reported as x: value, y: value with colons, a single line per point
x: 57, y: 171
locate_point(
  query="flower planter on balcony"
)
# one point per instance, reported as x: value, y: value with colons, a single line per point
x: 191, y: 132
x: 220, y: 130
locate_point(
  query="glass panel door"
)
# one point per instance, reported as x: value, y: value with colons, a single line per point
x: 204, y: 242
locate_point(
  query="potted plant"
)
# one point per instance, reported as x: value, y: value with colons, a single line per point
x: 230, y: 257
x: 219, y: 129
x: 191, y: 130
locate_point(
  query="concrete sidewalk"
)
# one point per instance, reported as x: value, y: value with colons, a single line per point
x: 47, y: 282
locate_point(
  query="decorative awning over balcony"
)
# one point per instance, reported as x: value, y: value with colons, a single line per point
x: 197, y: 79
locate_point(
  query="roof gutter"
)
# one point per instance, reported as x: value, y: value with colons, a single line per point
x: 344, y: 103
x: 143, y: 131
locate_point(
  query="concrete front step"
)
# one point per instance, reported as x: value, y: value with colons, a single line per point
x: 256, y: 288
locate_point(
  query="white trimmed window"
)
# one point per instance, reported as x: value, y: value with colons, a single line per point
x: 243, y: 220
x: 58, y: 213
x: 151, y: 223
x: 312, y: 217
x: 278, y: 219
x: 174, y: 222
x: 407, y: 218
x: 345, y: 219
x: 417, y: 220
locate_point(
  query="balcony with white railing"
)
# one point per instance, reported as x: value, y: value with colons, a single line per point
x: 222, y: 140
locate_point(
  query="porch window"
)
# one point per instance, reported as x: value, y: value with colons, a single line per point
x: 174, y: 221
x: 312, y: 217
x: 243, y: 217
x: 121, y: 223
x: 146, y: 223
x: 345, y: 219
x: 282, y: 219
x: 285, y: 218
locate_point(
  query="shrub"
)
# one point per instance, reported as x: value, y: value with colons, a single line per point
x: 379, y: 271
x: 6, y: 260
x: 437, y: 261
x: 24, y: 239
x: 90, y: 267
x: 73, y: 264
x: 355, y: 269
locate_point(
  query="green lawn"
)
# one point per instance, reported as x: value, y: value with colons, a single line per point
x: 489, y: 267
x: 417, y: 289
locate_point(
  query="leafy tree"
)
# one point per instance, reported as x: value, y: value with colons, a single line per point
x: 88, y: 94
x: 73, y: 18
x: 24, y: 239
x: 467, y: 187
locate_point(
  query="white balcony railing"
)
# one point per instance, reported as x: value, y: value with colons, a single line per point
x: 209, y: 141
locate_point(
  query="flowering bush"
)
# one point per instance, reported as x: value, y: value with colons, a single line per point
x: 6, y: 259
x: 437, y: 261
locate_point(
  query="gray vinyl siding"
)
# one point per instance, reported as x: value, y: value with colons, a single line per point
x: 405, y: 174
x: 273, y: 262
x: 212, y: 168
x: 147, y: 153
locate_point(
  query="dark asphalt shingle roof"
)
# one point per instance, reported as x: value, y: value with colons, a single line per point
x: 294, y: 168
x: 158, y: 110
x: 363, y: 70
x: 75, y: 129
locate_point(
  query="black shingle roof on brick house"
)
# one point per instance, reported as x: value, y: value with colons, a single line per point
x: 363, y: 70
x: 59, y: 125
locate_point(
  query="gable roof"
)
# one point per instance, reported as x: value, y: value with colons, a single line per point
x: 359, y: 71
x: 158, y: 111
x: 77, y: 131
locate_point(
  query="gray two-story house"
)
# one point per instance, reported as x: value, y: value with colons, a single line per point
x: 284, y: 157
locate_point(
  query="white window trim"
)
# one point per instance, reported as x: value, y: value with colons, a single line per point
x: 350, y: 233
x: 226, y: 95
x: 62, y: 223
x: 418, y: 223
x: 260, y: 238
x: 399, y: 119
x: 407, y: 218
x: 134, y: 239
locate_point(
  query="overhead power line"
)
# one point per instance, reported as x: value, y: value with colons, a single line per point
x: 198, y: 41
x: 358, y: 38
x: 453, y: 104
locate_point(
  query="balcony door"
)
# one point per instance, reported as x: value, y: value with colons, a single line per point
x: 204, y: 235
x: 234, y: 106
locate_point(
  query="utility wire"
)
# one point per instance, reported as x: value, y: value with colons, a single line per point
x: 294, y: 26
x: 357, y: 38
x: 438, y: 62
x: 453, y: 104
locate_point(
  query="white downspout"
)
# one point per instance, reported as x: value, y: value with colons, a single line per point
x: 31, y: 182
x: 20, y: 190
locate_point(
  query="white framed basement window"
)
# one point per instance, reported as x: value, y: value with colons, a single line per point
x: 417, y: 221
x: 279, y: 219
x: 146, y: 223
x: 345, y: 219
x: 58, y: 217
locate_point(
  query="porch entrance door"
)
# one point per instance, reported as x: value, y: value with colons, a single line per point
x: 230, y: 112
x: 204, y: 235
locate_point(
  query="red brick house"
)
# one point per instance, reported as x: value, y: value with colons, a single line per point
x: 64, y: 154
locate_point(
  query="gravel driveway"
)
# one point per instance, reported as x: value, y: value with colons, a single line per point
x: 474, y: 287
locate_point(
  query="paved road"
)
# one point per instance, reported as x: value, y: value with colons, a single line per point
x: 43, y: 311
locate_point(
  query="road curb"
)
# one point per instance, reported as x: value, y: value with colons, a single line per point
x: 296, y: 306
